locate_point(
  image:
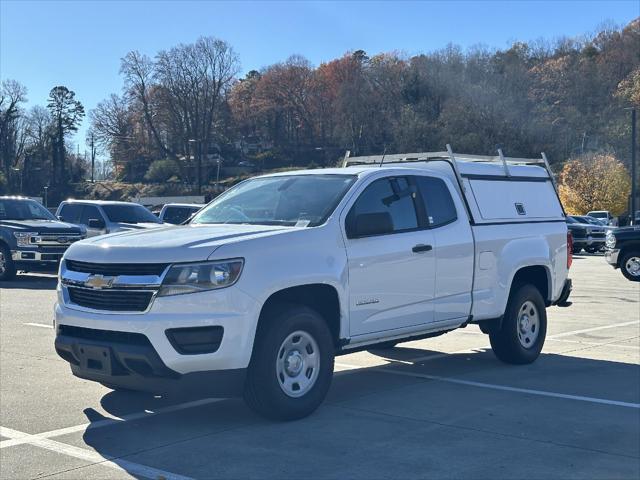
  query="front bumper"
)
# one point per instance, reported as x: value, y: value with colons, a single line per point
x: 121, y: 360
x: 32, y: 261
x: 230, y: 308
x: 611, y: 256
x: 589, y: 242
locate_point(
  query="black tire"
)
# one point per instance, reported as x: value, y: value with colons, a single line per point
x: 507, y: 342
x: 7, y: 268
x: 263, y: 392
x: 577, y: 250
x: 624, y: 264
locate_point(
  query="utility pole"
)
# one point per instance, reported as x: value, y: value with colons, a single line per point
x: 199, y: 150
x: 634, y: 172
x: 93, y: 156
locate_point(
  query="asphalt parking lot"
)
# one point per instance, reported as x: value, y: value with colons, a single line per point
x: 438, y: 408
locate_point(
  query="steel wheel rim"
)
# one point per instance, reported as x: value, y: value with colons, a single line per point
x: 298, y: 364
x: 3, y: 263
x: 528, y: 324
x: 633, y: 266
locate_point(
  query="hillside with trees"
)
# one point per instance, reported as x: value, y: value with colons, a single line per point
x: 186, y: 109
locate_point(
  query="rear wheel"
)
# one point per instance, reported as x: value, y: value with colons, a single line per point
x: 292, y: 364
x: 7, y: 268
x: 630, y: 266
x: 524, y: 327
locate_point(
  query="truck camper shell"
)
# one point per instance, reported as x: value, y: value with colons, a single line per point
x: 496, y: 189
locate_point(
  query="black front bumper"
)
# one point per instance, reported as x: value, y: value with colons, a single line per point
x: 128, y: 360
x: 36, y: 266
x: 595, y: 243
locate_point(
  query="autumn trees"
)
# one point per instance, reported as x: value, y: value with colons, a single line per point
x: 594, y: 182
x: 186, y: 107
x: 174, y: 103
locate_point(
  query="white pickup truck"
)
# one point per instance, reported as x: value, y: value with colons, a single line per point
x: 277, y: 276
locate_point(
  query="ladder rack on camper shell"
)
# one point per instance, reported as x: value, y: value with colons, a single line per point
x: 453, y: 159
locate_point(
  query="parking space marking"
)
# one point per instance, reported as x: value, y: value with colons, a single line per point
x: 506, y: 388
x: 93, y: 457
x: 41, y: 325
x: 14, y: 439
x: 593, y: 329
x: 596, y: 344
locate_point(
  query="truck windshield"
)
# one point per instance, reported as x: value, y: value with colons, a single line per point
x: 131, y: 213
x: 292, y: 200
x: 23, y: 210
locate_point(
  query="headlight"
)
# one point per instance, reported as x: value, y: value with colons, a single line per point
x: 24, y: 238
x: 610, y: 241
x: 200, y: 277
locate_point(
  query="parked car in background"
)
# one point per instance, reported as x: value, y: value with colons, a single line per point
x: 178, y: 213
x: 623, y: 251
x: 605, y: 216
x: 276, y: 276
x: 586, y: 236
x: 590, y: 220
x: 100, y: 216
x: 31, y: 238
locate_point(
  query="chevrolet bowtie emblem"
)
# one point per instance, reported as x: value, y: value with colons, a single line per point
x: 99, y: 281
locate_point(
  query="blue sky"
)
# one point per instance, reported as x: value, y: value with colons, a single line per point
x: 79, y: 43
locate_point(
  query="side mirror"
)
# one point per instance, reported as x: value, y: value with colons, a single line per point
x: 369, y: 224
x: 60, y: 217
x: 96, y: 223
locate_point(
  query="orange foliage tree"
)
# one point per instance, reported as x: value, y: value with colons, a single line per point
x: 594, y: 182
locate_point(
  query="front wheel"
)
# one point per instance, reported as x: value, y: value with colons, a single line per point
x: 7, y: 268
x: 630, y: 266
x: 292, y: 364
x: 524, y: 327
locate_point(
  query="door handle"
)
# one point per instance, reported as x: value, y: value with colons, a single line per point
x: 421, y: 248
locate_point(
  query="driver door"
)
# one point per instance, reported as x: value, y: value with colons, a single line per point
x: 392, y: 274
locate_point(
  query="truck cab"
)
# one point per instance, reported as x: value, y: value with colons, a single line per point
x: 31, y: 238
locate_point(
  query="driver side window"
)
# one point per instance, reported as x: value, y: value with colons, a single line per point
x: 392, y: 198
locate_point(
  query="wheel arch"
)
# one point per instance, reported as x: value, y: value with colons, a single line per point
x: 321, y: 297
x: 633, y: 246
x: 537, y: 275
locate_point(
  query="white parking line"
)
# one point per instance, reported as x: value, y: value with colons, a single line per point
x: 41, y: 325
x: 92, y: 457
x: 26, y: 438
x: 596, y: 344
x: 594, y: 329
x: 510, y: 389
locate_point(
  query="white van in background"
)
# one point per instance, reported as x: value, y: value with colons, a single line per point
x: 102, y: 216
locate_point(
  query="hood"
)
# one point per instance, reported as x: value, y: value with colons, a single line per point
x: 40, y: 226
x: 629, y: 229
x: 188, y: 243
x: 122, y: 227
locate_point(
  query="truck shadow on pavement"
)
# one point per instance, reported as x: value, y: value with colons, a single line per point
x: 31, y: 282
x: 223, y: 438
